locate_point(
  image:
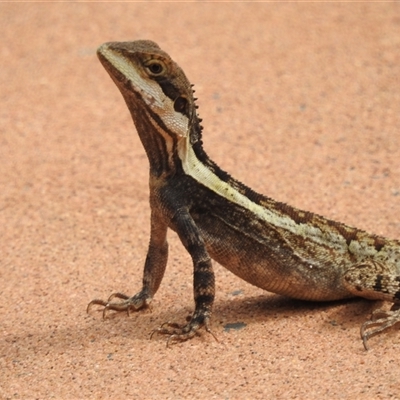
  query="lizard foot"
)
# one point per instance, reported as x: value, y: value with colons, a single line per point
x: 380, y: 321
x: 129, y: 303
x: 180, y: 333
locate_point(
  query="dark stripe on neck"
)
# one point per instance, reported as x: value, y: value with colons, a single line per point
x: 161, y: 161
x: 253, y: 196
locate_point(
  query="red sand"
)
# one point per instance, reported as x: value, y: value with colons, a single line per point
x: 300, y: 101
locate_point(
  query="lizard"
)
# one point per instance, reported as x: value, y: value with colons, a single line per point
x: 267, y: 243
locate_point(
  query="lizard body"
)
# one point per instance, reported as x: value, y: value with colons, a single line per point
x: 267, y: 243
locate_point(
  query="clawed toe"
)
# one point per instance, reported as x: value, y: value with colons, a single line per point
x: 123, y: 306
x: 180, y: 333
x: 380, y: 321
x: 117, y: 295
x: 127, y: 304
x: 175, y: 332
x: 380, y: 314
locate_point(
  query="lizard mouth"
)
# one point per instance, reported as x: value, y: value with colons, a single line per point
x: 117, y: 76
x: 123, y: 82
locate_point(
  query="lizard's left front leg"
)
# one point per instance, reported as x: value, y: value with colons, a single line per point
x: 203, y: 280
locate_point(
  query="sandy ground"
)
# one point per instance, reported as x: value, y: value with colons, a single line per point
x: 300, y: 101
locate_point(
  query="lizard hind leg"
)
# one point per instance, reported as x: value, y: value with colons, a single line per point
x: 380, y: 321
x: 375, y: 281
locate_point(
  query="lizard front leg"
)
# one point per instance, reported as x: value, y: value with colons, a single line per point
x: 203, y: 280
x: 154, y: 269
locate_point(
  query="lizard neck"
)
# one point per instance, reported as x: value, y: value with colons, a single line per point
x: 165, y: 150
x: 160, y: 145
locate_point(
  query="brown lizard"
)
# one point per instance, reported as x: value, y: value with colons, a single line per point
x: 267, y: 243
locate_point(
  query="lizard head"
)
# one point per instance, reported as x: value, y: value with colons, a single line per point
x: 157, y: 93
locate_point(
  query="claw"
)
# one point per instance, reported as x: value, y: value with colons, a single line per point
x: 96, y: 301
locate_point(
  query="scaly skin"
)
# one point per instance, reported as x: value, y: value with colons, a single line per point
x: 267, y: 243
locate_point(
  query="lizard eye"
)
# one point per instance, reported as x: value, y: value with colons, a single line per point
x: 155, y: 67
x: 180, y: 104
